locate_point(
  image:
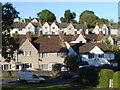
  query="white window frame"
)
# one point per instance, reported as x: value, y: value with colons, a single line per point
x: 43, y: 55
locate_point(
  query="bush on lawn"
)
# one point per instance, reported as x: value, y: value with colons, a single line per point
x: 116, y: 80
x: 104, y: 76
x: 88, y: 76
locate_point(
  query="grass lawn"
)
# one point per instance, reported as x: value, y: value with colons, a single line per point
x: 46, y: 87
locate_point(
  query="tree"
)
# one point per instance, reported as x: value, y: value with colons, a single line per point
x: 68, y: 16
x: 9, y: 44
x: 9, y: 13
x: 57, y: 67
x: 88, y: 17
x: 72, y: 63
x: 101, y: 21
x: 46, y: 16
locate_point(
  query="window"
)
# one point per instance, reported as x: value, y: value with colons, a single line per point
x: 29, y: 28
x: 45, y: 27
x: 69, y: 28
x: 61, y: 54
x: 53, y: 27
x: 17, y: 67
x: 6, y: 67
x: 43, y: 66
x: 20, y: 29
x: 46, y: 32
x: 2, y: 67
x: 43, y: 55
x: 101, y: 55
x: 27, y: 53
x: 53, y: 32
x: 91, y: 55
x: 35, y: 76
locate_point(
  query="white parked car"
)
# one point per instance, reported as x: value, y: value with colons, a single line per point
x: 29, y: 77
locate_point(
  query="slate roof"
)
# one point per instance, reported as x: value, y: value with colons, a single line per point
x: 62, y: 25
x: 36, y: 24
x: 19, y: 25
x: 80, y: 26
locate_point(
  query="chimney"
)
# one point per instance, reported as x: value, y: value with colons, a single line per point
x: 81, y: 32
x: 109, y: 24
x: 30, y: 18
x: 55, y: 21
x: 61, y: 35
x: 96, y: 23
x: 85, y: 23
x: 100, y: 33
x: 40, y: 33
x: 29, y: 35
x: 75, y: 33
x: 71, y: 22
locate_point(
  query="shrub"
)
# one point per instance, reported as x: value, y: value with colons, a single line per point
x: 104, y: 76
x: 88, y: 76
x: 116, y: 80
x: 57, y: 67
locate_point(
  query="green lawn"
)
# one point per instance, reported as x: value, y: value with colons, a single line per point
x: 46, y: 87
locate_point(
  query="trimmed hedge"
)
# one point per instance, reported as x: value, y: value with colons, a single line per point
x: 88, y: 76
x: 104, y: 76
x: 116, y: 80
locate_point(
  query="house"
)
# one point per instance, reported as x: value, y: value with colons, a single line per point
x: 114, y: 29
x: 95, y: 54
x: 101, y: 27
x: 54, y: 28
x: 46, y: 28
x: 22, y: 28
x: 38, y: 53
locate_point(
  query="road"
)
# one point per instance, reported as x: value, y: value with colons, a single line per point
x: 49, y: 81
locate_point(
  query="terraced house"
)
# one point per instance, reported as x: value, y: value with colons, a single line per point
x: 43, y: 52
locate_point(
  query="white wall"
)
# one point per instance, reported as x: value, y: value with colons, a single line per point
x: 46, y: 29
x: 55, y: 30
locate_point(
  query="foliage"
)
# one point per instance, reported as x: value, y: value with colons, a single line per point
x: 91, y: 19
x: 68, y: 17
x: 88, y: 76
x: 9, y: 13
x: 104, y: 76
x: 100, y: 21
x: 88, y: 17
x: 114, y: 47
x: 9, y: 44
x: 57, y: 67
x: 116, y: 80
x: 72, y: 63
x: 46, y: 16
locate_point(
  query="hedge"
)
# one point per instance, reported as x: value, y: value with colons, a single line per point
x: 88, y: 76
x: 104, y: 76
x: 116, y: 80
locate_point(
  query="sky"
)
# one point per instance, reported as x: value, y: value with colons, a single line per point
x: 107, y: 10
